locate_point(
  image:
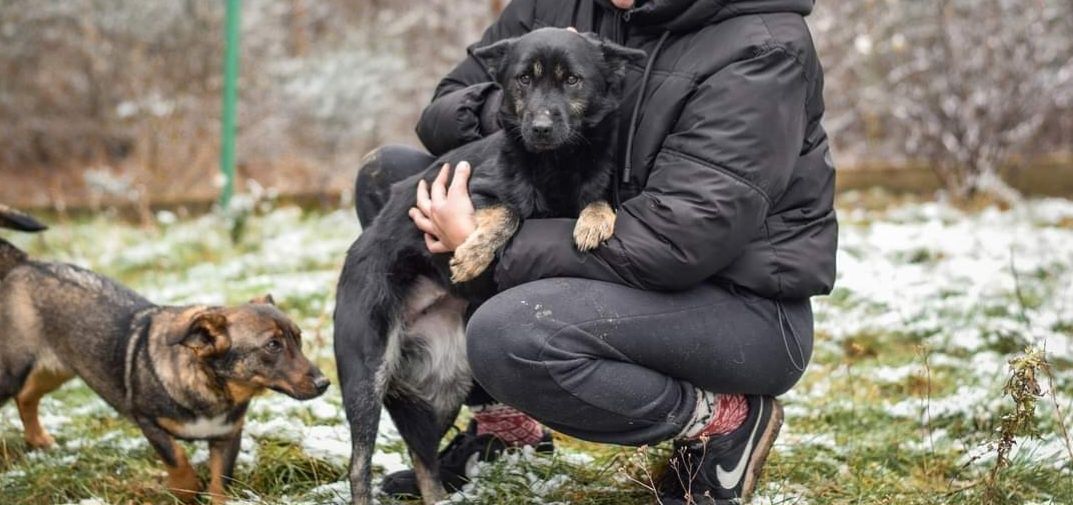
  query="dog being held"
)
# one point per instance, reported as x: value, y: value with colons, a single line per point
x: 178, y: 372
x: 399, y: 334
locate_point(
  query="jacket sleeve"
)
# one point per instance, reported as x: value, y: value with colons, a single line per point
x: 730, y: 154
x: 465, y: 103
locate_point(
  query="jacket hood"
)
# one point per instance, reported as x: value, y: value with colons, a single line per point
x: 685, y: 15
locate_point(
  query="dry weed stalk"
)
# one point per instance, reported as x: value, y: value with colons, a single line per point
x: 637, y: 470
x: 1024, y: 389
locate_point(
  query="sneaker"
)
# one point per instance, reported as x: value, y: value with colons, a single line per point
x: 722, y: 470
x: 457, y: 462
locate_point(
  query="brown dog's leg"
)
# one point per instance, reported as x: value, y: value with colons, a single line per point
x: 222, y: 454
x: 39, y: 383
x: 595, y: 225
x: 495, y: 226
x: 182, y: 479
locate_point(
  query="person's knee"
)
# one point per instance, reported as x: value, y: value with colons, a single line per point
x: 503, y: 344
x: 381, y: 168
x: 369, y: 171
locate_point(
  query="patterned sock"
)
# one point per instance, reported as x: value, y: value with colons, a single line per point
x: 715, y: 415
x: 507, y: 424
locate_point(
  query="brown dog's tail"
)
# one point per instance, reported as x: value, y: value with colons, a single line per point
x: 11, y: 256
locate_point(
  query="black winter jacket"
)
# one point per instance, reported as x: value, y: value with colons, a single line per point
x: 726, y: 172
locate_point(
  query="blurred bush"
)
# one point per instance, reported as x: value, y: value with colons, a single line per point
x: 133, y: 87
x: 129, y: 89
x: 970, y: 87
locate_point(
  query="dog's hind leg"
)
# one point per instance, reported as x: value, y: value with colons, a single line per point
x: 39, y: 382
x: 360, y: 359
x: 421, y: 429
x: 362, y: 405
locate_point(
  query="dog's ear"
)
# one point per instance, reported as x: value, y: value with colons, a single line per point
x: 265, y: 299
x: 615, y: 55
x: 492, y: 56
x: 207, y: 335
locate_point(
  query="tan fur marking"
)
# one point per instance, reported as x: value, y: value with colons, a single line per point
x: 577, y: 107
x: 595, y: 225
x: 217, y: 462
x: 171, y: 425
x: 242, y: 393
x: 182, y: 479
x: 538, y: 69
x: 495, y: 226
x: 39, y: 383
x: 432, y: 490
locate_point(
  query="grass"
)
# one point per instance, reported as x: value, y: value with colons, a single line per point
x: 903, y: 402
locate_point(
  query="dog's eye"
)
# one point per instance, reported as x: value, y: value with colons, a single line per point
x: 274, y: 346
x: 525, y: 79
x: 573, y: 80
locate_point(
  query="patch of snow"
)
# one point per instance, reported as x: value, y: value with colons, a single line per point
x: 327, y: 443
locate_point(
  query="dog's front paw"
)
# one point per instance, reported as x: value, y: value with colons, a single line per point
x: 469, y: 262
x: 595, y: 225
x: 39, y: 440
x: 183, y: 483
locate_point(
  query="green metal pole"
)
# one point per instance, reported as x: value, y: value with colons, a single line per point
x: 230, y: 101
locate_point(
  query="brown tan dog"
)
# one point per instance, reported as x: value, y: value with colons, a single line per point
x: 177, y: 372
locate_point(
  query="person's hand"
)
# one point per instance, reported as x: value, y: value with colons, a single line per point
x: 445, y: 213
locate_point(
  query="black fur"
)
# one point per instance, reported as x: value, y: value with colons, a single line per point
x: 15, y: 220
x: 552, y: 158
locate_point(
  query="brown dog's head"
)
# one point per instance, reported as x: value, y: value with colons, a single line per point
x: 252, y: 347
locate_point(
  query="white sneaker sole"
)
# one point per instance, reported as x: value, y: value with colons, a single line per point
x: 763, y: 448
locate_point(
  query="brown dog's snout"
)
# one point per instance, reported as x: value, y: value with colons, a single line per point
x: 304, y: 385
x: 320, y: 382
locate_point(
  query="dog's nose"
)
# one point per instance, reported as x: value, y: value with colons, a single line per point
x: 321, y: 383
x: 542, y: 126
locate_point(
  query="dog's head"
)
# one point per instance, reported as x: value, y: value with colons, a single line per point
x: 252, y: 347
x: 556, y: 84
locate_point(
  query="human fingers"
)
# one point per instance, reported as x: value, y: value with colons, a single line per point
x: 438, y: 191
x: 424, y: 202
x: 460, y: 181
x: 423, y: 222
x: 434, y: 245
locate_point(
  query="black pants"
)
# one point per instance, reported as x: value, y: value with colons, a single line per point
x: 608, y: 363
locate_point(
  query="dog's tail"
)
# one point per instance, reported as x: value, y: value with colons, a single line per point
x: 11, y: 218
x: 11, y: 256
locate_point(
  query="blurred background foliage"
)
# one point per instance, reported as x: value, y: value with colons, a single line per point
x: 106, y: 101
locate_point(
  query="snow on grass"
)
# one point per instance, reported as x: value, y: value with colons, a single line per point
x: 932, y: 270
x: 910, y: 361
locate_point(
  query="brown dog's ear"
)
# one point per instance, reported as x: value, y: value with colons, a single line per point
x: 207, y: 335
x: 265, y: 299
x: 492, y: 56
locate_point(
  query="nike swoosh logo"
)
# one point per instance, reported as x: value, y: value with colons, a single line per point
x: 729, y: 479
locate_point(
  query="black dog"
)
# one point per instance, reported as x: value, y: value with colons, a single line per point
x: 399, y: 338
